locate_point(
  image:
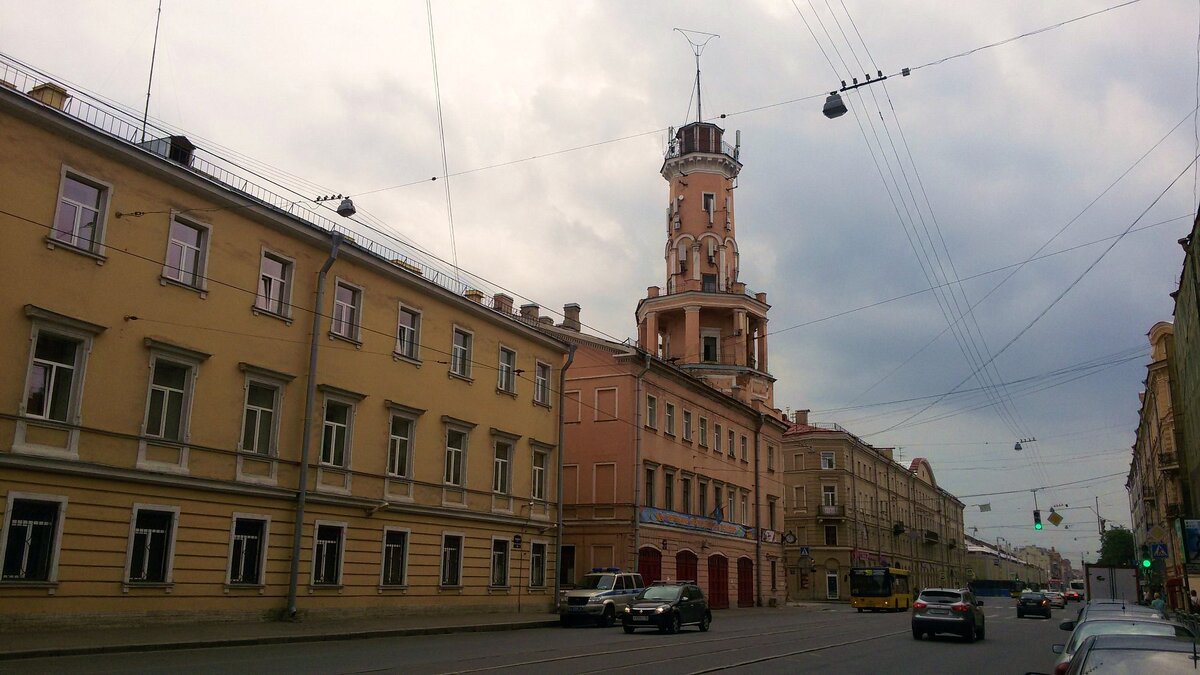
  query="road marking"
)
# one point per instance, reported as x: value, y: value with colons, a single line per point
x: 796, y: 653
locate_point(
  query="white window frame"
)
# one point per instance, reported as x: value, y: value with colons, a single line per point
x: 82, y: 344
x: 199, y: 276
x: 460, y: 356
x: 541, y: 387
x: 348, y: 430
x: 185, y: 398
x: 731, y: 437
x: 506, y: 375
x: 52, y: 568
x: 262, y: 549
x: 651, y: 411
x: 538, y: 483
x: 349, y: 329
x: 704, y: 432
x: 507, y: 553
x: 669, y: 418
x: 106, y: 189
x: 770, y: 458
x: 458, y: 455
x: 267, y: 301
x: 745, y: 508
x: 383, y: 557
x: 829, y: 495
x: 341, y: 553
x: 533, y: 566
x: 744, y: 445
x: 406, y: 471
x: 168, y: 576
x: 831, y: 463
x: 502, y: 466
x: 462, y: 547
x: 717, y: 439
x: 254, y: 379
x: 408, y: 339
x: 687, y: 425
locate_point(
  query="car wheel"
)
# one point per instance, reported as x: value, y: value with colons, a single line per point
x: 675, y: 624
x: 564, y: 621
x: 608, y: 618
x: 969, y: 634
x: 628, y: 629
x: 1020, y: 614
x: 916, y: 633
x: 979, y: 633
x: 860, y: 610
x: 705, y: 622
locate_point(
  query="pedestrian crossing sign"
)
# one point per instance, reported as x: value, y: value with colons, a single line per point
x: 1158, y: 550
x: 805, y: 552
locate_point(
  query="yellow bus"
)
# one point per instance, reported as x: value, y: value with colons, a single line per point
x: 879, y: 588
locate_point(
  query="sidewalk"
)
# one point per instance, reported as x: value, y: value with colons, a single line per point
x: 82, y: 641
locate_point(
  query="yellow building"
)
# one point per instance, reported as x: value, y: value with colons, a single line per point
x: 155, y: 378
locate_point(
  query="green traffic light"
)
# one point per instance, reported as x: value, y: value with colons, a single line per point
x: 1037, y: 526
x: 1146, y: 562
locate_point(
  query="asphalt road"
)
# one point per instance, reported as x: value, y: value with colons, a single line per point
x: 790, y: 640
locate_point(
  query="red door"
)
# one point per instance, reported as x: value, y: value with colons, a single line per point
x: 718, y: 582
x: 650, y: 565
x: 685, y: 566
x: 745, y: 582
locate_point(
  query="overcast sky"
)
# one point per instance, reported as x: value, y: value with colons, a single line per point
x: 973, y: 165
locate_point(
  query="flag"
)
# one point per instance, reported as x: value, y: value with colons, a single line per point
x: 984, y: 508
x: 717, y: 514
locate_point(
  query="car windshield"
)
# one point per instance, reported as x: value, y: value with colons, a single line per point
x: 601, y: 582
x: 666, y: 593
x: 1089, y: 628
x: 1031, y: 596
x: 1136, y: 662
x: 941, y: 596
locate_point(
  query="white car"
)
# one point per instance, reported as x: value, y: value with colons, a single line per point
x: 1056, y: 599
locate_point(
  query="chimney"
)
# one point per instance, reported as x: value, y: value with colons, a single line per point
x: 571, y: 317
x: 653, y: 291
x: 474, y: 295
x: 502, y: 303
x: 546, y: 320
x: 51, y: 94
x: 800, y: 417
x: 530, y: 311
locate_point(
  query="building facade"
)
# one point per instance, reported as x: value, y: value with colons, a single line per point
x: 849, y: 504
x: 162, y: 376
x: 1184, y: 366
x: 987, y: 561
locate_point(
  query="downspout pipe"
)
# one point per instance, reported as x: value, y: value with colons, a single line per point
x: 637, y: 456
x: 306, y: 434
x: 558, y: 519
x: 758, y: 534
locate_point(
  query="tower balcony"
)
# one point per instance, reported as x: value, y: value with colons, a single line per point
x: 678, y: 147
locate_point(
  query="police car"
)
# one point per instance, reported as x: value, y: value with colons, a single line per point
x: 600, y: 597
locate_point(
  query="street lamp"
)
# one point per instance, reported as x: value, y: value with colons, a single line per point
x: 1017, y: 445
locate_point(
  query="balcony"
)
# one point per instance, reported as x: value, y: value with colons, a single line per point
x: 898, y: 528
x: 831, y: 511
x: 1147, y: 493
x: 1168, y: 461
x: 1174, y: 510
x: 931, y: 537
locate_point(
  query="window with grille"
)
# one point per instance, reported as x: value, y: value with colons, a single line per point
x: 246, y: 553
x: 395, y: 555
x: 327, y: 557
x: 29, y: 549
x: 150, y: 557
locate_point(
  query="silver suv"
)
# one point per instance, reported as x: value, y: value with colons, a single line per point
x: 947, y: 610
x: 600, y: 597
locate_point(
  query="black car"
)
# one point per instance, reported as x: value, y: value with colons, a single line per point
x: 1032, y: 602
x: 667, y: 606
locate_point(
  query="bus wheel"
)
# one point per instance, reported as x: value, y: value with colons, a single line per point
x: 860, y: 610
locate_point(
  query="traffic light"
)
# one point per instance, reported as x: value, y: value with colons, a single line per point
x: 1037, y: 519
x: 1145, y: 556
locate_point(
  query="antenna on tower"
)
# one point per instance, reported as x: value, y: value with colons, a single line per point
x: 150, y: 83
x: 698, y: 40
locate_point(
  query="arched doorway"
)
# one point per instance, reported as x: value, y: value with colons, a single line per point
x: 686, y: 565
x: 745, y: 579
x: 650, y: 565
x: 718, y: 582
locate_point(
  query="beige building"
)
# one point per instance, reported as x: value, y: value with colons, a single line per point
x: 993, y: 562
x: 850, y: 504
x: 159, y: 366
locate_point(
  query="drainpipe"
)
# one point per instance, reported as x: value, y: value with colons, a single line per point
x: 637, y: 457
x: 757, y: 518
x: 558, y: 521
x: 306, y: 440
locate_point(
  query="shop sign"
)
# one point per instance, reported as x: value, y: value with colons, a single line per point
x: 689, y: 521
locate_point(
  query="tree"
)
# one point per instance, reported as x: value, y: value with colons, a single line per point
x: 1116, y: 547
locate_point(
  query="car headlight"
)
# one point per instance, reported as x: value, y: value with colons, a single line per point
x: 628, y: 610
x: 595, y: 600
x: 660, y: 609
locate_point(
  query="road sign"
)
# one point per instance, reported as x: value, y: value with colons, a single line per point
x: 1054, y: 518
x: 804, y: 552
x: 1157, y: 533
x: 1158, y: 550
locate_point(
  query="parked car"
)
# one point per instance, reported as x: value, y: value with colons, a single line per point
x: 948, y: 610
x: 668, y: 606
x: 1111, y: 654
x: 1113, y: 607
x: 1104, y: 624
x: 1056, y: 599
x: 1033, y: 602
x: 600, y: 597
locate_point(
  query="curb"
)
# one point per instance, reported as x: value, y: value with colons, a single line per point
x: 272, y: 639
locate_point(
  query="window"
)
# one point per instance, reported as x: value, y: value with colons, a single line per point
x: 702, y: 494
x: 708, y: 284
x: 770, y: 458
x: 717, y: 439
x: 456, y: 449
x: 327, y: 554
x: 717, y: 501
x: 408, y: 333
x: 685, y: 493
x: 537, y: 565
x: 708, y: 345
x: 499, y: 563
x: 347, y: 311
x: 745, y: 457
x: 704, y: 432
x: 566, y: 564
x: 771, y: 513
x: 799, y: 498
x: 687, y: 425
x: 541, y: 460
x: 648, y: 498
x: 51, y: 391
x: 246, y: 550
x: 829, y: 495
x: 502, y: 468
x: 730, y: 514
x: 395, y: 557
x: 274, y: 285
x: 651, y: 411
x: 709, y: 201
x: 151, y: 545
x: 460, y: 353
x: 541, y: 384
x: 258, y: 418
x: 79, y: 219
x: 400, y: 447
x: 745, y: 509
x: 731, y: 438
x: 452, y: 546
x: 187, y: 253
x: 508, y: 367
x: 831, y: 535
x: 669, y: 419
x: 167, y: 408
x: 32, y: 528
x: 774, y: 576
x: 827, y: 460
x: 335, y: 439
x: 669, y: 490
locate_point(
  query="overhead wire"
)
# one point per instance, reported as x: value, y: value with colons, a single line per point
x: 437, y: 95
